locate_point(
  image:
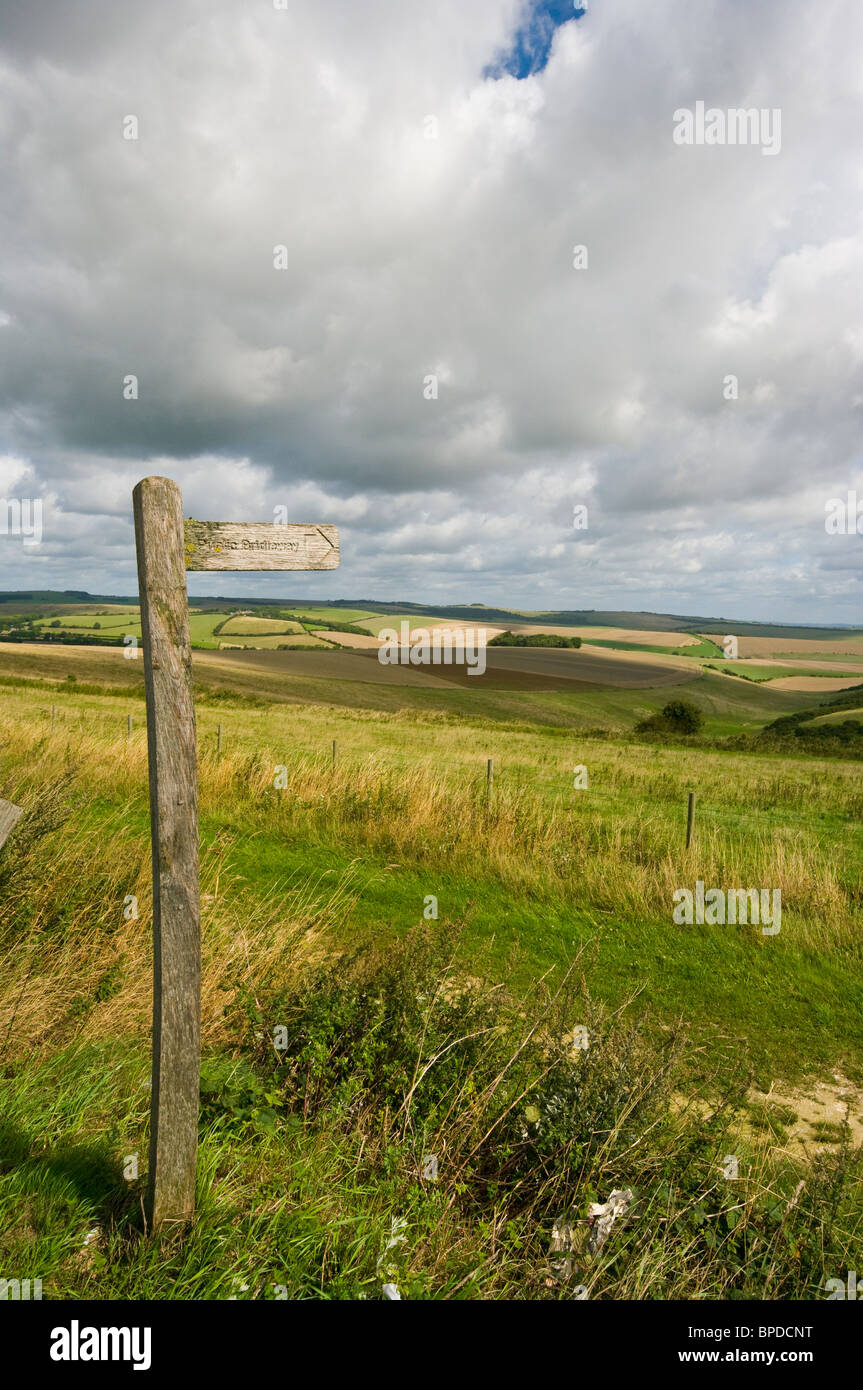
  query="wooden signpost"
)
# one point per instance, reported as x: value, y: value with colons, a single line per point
x: 166, y: 549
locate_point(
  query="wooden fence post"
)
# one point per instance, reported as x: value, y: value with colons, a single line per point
x: 489, y: 776
x: 335, y: 752
x: 690, y: 818
x: 218, y: 738
x: 129, y: 726
x: 174, y: 823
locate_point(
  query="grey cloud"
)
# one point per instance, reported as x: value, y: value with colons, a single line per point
x: 452, y: 256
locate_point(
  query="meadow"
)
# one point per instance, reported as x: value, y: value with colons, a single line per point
x: 430, y: 948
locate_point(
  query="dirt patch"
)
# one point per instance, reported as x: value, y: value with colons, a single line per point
x: 820, y: 1113
x: 801, y: 1121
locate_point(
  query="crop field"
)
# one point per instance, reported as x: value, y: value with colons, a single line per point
x: 789, y: 654
x: 827, y: 679
x: 247, y: 626
x: 431, y: 942
x: 781, y: 648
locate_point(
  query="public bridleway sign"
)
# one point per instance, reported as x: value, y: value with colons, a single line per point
x: 167, y: 547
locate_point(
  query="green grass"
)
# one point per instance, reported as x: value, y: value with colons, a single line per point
x: 691, y: 649
x: 322, y: 615
x: 109, y: 620
x: 554, y: 903
x: 838, y: 718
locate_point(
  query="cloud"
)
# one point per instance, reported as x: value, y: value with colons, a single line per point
x: 430, y: 211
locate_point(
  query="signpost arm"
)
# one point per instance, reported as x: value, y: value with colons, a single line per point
x: 174, y: 819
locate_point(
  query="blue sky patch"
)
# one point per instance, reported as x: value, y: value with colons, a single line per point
x: 532, y: 41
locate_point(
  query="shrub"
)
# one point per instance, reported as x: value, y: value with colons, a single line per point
x: 535, y: 639
x: 677, y: 717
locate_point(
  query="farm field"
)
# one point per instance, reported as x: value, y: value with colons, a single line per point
x: 730, y: 705
x: 248, y: 626
x: 828, y: 678
x: 815, y: 683
x: 332, y: 876
x: 209, y: 629
x: 641, y: 637
x: 828, y: 665
x: 787, y: 655
x: 350, y: 639
x: 780, y: 648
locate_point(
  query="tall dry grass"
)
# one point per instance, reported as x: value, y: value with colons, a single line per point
x: 616, y: 847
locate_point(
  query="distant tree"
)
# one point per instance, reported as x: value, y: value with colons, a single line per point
x: 535, y: 639
x: 683, y: 717
x: 677, y: 717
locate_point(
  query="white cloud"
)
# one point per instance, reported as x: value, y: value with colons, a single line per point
x: 451, y: 255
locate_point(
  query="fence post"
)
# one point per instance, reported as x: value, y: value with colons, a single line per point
x: 174, y: 824
x: 218, y: 738
x: 335, y: 752
x: 690, y: 818
x: 129, y: 726
x: 489, y: 776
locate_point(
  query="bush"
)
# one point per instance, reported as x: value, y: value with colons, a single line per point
x: 677, y: 717
x: 397, y: 1051
x: 536, y: 639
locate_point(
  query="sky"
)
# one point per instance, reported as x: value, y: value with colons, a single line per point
x: 436, y: 369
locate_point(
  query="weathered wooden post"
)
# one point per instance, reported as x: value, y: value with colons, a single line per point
x: 53, y: 715
x: 166, y: 549
x: 335, y: 752
x: 489, y: 776
x: 174, y: 830
x: 690, y: 818
x: 9, y: 815
x: 218, y: 738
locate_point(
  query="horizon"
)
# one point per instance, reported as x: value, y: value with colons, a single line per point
x: 85, y: 597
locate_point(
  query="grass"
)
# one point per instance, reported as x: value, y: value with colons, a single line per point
x: 248, y: 626
x: 838, y: 717
x: 690, y: 649
x: 410, y: 1034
